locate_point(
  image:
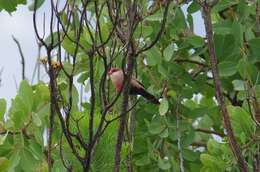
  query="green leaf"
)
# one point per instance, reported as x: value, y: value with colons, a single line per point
x: 190, y: 21
x: 156, y: 126
x: 188, y: 138
x: 2, y: 138
x: 254, y: 46
x: 19, y: 113
x: 69, y: 42
x: 155, y: 17
x: 227, y: 69
x: 38, y: 5
x: 239, y: 85
x: 105, y: 27
x: 168, y: 52
x: 4, y: 164
x: 223, y: 28
x: 223, y: 4
x: 190, y: 155
x: 26, y: 94
x: 241, y: 121
x: 164, y: 106
x: 195, y: 41
x: 83, y: 77
x: 36, y: 149
x: 225, y: 46
x: 245, y: 69
x: 2, y: 108
x: 14, y: 160
x: 237, y: 31
x: 10, y: 5
x: 164, y: 133
x: 36, y: 119
x: 144, y: 160
x: 211, y: 161
x: 179, y: 20
x: 153, y: 57
x: 162, y: 71
x: 42, y: 90
x: 9, y: 124
x: 205, y: 122
x: 144, y: 30
x: 214, y: 147
x: 193, y: 7
x: 147, y: 30
x: 28, y: 161
x: 164, y: 164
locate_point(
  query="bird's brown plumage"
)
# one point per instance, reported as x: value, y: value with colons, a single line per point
x: 137, y: 88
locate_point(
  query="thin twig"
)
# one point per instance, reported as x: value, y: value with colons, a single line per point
x: 191, y: 61
x: 178, y: 130
x: 160, y: 32
x: 210, y: 132
x: 22, y: 56
x: 68, y: 167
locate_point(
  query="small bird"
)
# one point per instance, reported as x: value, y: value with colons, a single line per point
x: 136, y: 87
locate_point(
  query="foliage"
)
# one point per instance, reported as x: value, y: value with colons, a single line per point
x: 176, y: 67
x: 10, y: 5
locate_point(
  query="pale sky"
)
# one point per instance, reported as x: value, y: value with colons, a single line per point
x: 20, y: 25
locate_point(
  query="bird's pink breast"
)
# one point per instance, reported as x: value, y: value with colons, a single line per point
x: 117, y: 79
x: 118, y: 87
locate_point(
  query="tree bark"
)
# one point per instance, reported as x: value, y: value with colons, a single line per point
x: 124, y: 111
x: 220, y: 98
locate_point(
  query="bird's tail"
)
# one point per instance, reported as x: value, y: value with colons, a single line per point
x: 151, y: 98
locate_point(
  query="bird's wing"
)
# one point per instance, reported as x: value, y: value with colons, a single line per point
x: 137, y: 88
x: 136, y: 83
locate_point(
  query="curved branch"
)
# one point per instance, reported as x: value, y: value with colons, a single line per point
x: 165, y: 14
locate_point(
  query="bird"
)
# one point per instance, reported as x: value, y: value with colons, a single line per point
x: 136, y: 87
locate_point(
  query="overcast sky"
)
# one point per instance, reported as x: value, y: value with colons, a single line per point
x: 20, y: 25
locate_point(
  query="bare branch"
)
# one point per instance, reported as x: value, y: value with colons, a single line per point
x: 22, y: 56
x: 220, y: 98
x: 130, y: 54
x: 160, y: 32
x: 210, y: 132
x: 191, y: 61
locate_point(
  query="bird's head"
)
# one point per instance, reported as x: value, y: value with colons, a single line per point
x: 112, y: 70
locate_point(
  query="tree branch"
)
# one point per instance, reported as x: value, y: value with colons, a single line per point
x: 218, y: 87
x: 160, y: 32
x: 130, y: 55
x: 123, y: 119
x: 22, y: 56
x: 210, y: 132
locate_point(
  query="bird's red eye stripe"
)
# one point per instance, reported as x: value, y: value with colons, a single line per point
x: 112, y: 70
